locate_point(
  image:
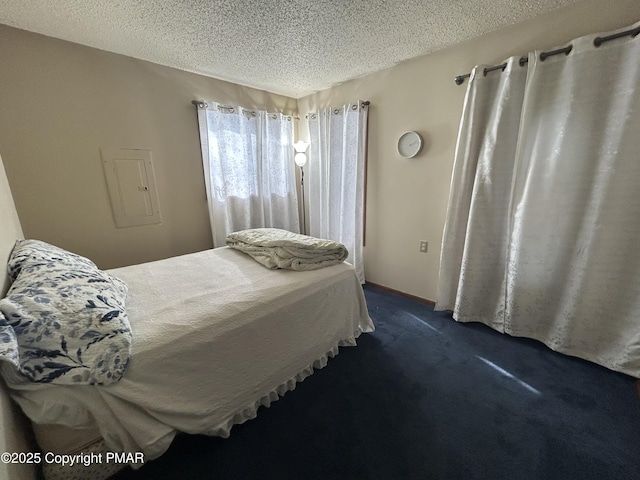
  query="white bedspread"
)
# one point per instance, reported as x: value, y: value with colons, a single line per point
x: 215, y: 335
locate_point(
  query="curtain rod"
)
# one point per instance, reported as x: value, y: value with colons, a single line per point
x: 566, y: 50
x: 200, y: 103
x: 203, y: 104
x: 363, y: 103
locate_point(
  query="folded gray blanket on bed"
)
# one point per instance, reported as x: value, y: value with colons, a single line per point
x: 275, y: 248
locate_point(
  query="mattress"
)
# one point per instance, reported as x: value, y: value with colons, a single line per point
x: 215, y: 336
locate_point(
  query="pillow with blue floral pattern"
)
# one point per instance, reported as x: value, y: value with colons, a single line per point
x: 67, y: 316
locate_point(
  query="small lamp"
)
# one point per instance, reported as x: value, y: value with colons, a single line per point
x: 301, y: 159
x: 300, y: 147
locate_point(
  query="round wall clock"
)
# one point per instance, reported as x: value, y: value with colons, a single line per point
x: 409, y: 144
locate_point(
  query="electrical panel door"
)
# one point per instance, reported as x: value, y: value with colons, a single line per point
x: 132, y: 186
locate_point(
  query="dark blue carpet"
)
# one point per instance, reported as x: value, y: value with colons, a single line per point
x: 425, y: 397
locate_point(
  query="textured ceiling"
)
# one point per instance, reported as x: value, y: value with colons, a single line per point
x: 290, y: 47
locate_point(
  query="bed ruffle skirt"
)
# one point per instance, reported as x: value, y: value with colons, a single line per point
x: 102, y: 471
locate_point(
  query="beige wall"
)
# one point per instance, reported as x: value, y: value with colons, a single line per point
x: 61, y: 102
x: 407, y: 199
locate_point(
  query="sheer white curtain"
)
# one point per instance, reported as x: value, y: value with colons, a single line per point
x: 247, y: 157
x: 547, y: 240
x: 337, y: 155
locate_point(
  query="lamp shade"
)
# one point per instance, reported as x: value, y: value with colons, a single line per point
x: 300, y: 147
x: 300, y: 159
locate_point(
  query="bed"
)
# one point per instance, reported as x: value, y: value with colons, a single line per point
x: 215, y: 335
